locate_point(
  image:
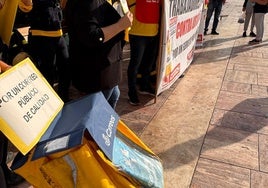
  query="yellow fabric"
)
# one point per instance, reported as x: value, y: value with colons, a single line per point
x: 128, y: 133
x: 7, y: 17
x: 93, y: 168
x: 57, y: 33
x: 139, y: 28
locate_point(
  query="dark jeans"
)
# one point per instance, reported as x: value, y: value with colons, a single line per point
x: 143, y: 56
x: 112, y: 95
x: 51, y: 56
x: 213, y: 6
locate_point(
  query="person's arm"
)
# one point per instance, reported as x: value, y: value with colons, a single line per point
x: 112, y: 30
x: 26, y: 5
x: 3, y: 66
x: 244, y: 5
x: 2, y: 3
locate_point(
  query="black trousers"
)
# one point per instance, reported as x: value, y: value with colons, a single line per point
x: 51, y: 56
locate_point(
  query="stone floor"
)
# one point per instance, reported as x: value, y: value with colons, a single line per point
x: 210, y: 129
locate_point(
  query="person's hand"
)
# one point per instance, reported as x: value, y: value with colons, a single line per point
x: 27, y: 2
x: 126, y: 20
x: 2, y: 3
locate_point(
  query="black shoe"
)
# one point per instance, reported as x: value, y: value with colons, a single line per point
x: 214, y: 33
x: 14, y: 179
x: 205, y: 31
x: 133, y: 98
x: 244, y: 34
x: 254, y: 41
x: 147, y: 90
x: 252, y: 34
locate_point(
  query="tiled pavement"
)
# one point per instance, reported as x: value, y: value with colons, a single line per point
x: 210, y: 129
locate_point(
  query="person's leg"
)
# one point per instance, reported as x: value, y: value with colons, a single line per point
x: 252, y: 22
x: 217, y: 14
x: 43, y: 52
x: 261, y: 26
x: 208, y: 16
x: 137, y: 48
x: 112, y: 96
x: 259, y: 19
x: 10, y: 178
x: 259, y: 23
x: 247, y: 20
x: 2, y: 179
x: 148, y: 61
x: 63, y: 69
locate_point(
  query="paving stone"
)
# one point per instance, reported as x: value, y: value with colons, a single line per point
x: 241, y: 76
x: 211, y: 174
x: 239, y: 148
x: 263, y: 152
x: 258, y: 179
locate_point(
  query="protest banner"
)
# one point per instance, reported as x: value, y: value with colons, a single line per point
x: 180, y: 28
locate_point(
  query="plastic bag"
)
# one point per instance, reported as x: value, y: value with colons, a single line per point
x: 241, y: 18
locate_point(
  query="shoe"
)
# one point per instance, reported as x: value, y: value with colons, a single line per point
x: 254, y: 41
x: 133, y: 98
x: 147, y: 90
x: 14, y: 179
x: 244, y: 34
x: 252, y: 34
x: 205, y: 31
x: 214, y: 33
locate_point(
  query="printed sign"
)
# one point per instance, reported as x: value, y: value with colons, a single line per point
x: 180, y: 28
x: 28, y: 104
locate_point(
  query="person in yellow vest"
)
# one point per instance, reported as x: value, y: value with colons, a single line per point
x: 144, y: 44
x: 47, y: 46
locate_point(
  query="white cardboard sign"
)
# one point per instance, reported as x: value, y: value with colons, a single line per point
x: 28, y: 104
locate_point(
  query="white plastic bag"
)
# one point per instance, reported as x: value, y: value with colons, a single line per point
x: 241, y: 18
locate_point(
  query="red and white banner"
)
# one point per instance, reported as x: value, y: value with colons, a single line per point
x: 180, y: 22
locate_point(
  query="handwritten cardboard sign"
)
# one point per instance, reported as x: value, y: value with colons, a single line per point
x: 28, y: 104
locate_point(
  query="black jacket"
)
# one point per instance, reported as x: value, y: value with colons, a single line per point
x: 96, y: 65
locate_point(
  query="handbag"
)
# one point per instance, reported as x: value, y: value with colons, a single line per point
x: 241, y: 18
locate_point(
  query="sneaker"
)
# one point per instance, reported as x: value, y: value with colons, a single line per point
x: 252, y: 34
x: 244, y: 34
x: 148, y: 90
x: 214, y: 33
x: 254, y: 41
x: 133, y: 98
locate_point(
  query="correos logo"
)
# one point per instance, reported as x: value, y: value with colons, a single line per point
x: 108, y: 132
